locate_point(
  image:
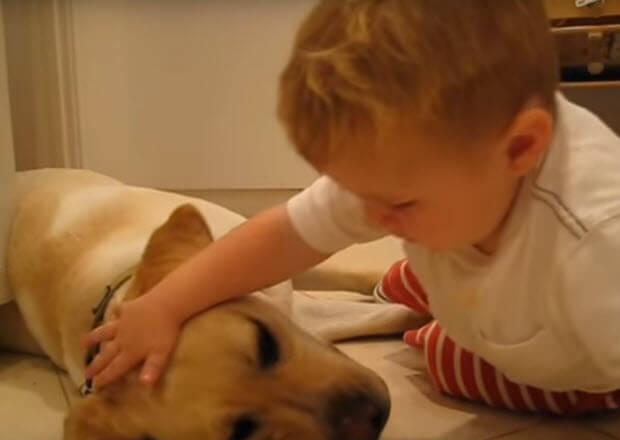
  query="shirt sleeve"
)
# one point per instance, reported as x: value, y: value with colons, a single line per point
x: 590, y: 287
x: 330, y: 218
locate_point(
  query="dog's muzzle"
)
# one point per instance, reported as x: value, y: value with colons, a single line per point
x: 357, y: 416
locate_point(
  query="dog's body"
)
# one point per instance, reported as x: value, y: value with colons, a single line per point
x: 76, y: 232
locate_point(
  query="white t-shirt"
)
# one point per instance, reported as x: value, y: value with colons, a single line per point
x: 545, y: 308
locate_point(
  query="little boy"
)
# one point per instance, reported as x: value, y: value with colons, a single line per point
x: 438, y: 122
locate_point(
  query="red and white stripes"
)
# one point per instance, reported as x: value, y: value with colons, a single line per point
x: 400, y: 285
x: 460, y: 373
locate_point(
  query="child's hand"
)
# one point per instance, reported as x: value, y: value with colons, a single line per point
x: 143, y: 332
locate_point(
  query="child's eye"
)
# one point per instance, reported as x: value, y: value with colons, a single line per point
x: 404, y: 205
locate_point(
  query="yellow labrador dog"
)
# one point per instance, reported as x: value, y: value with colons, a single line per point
x: 241, y: 371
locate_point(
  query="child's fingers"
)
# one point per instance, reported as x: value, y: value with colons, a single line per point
x: 114, y: 370
x: 153, y: 366
x: 101, y: 360
x: 100, y: 334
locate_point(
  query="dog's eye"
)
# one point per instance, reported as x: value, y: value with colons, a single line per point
x: 268, y: 347
x: 244, y: 427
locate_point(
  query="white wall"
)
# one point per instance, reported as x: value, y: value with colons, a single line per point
x: 7, y: 165
x: 182, y: 94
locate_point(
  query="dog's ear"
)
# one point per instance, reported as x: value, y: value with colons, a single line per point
x: 183, y: 235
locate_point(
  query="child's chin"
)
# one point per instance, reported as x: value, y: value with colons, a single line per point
x: 408, y: 238
x: 437, y: 247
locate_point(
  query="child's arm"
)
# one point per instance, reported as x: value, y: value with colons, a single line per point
x: 261, y: 252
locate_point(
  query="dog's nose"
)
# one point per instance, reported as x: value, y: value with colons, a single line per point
x: 358, y: 416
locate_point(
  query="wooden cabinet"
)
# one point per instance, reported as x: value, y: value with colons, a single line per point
x: 587, y: 34
x: 568, y: 9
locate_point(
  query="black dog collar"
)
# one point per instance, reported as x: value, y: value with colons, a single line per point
x: 99, y: 315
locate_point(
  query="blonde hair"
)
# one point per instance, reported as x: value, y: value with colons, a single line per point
x: 450, y: 66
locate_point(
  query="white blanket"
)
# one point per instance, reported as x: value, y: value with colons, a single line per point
x: 340, y: 315
x: 334, y: 300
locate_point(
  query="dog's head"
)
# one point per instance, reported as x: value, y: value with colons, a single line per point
x: 241, y: 371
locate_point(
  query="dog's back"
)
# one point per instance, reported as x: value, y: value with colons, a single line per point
x: 74, y: 233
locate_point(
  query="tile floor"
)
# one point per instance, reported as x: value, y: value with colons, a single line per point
x: 34, y: 395
x: 418, y: 413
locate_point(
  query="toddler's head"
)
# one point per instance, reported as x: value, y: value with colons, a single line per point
x: 428, y: 110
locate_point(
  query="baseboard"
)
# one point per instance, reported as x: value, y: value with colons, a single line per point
x: 245, y: 202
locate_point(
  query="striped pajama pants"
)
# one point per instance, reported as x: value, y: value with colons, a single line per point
x: 460, y: 373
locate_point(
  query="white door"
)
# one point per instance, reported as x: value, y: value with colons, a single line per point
x: 7, y: 165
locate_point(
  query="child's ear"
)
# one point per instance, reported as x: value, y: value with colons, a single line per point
x: 527, y: 139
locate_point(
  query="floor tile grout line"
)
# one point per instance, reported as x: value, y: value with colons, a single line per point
x: 542, y: 422
x: 62, y: 386
x: 605, y: 433
x: 515, y: 431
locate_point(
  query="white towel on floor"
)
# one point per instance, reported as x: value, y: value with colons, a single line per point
x: 340, y: 315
